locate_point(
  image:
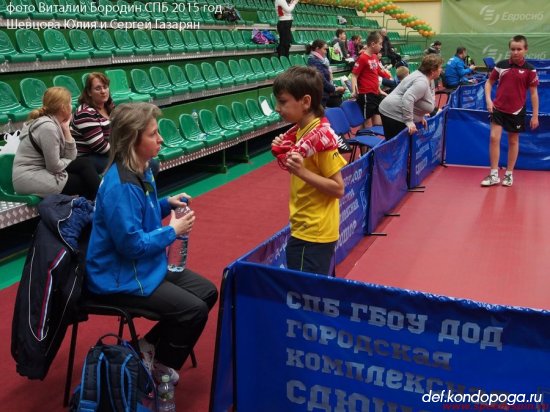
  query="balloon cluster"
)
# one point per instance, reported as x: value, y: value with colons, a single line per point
x: 383, y: 6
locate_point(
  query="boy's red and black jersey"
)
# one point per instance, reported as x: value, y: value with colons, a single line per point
x: 514, y: 81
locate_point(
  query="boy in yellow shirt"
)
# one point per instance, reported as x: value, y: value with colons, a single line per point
x: 316, y: 183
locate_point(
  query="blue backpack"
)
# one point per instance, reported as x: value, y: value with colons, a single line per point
x: 114, y: 379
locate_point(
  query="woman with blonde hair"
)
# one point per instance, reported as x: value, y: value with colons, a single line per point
x: 45, y: 162
x: 126, y: 260
x: 91, y: 124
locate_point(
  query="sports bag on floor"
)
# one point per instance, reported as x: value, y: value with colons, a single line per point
x: 114, y: 379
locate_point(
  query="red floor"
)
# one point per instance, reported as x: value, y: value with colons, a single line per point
x: 461, y: 240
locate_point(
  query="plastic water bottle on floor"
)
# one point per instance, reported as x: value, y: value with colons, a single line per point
x: 166, y: 398
x: 195, y: 116
x: 177, y: 251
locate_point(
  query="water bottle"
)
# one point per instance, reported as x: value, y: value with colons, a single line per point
x: 177, y: 251
x: 195, y: 116
x: 165, y: 391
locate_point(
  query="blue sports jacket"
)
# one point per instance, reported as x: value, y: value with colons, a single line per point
x: 456, y: 71
x: 127, y: 249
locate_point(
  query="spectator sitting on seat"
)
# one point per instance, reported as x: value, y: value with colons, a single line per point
x: 45, y: 162
x: 91, y: 125
x: 126, y: 259
x: 388, y: 50
x: 435, y: 48
x: 456, y: 70
x: 316, y: 182
x: 412, y: 99
x: 332, y: 95
x: 364, y: 79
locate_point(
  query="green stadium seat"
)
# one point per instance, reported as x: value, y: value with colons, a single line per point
x: 172, y: 142
x: 258, y: 69
x: 70, y: 84
x: 173, y: 139
x: 225, y: 75
x: 124, y: 41
x: 81, y: 42
x: 44, y: 5
x: 191, y: 131
x: 195, y: 16
x: 10, y: 54
x: 175, y: 41
x: 240, y: 42
x: 268, y: 68
x: 87, y: 7
x: 161, y: 82
x: 241, y: 115
x: 140, y: 11
x: 247, y: 39
x: 197, y: 82
x: 120, y: 89
x: 204, y: 41
x: 227, y: 121
x: 143, y: 85
x: 208, y: 19
x: 178, y: 78
x: 211, y: 77
x: 212, y: 128
x: 157, y: 15
x: 108, y: 13
x: 274, y: 117
x: 122, y: 15
x: 10, y: 106
x: 143, y: 41
x: 276, y: 62
x: 103, y: 41
x: 7, y: 193
x: 227, y: 40
x: 32, y: 90
x: 12, y: 14
x: 159, y: 41
x: 28, y: 42
x: 249, y: 73
x: 296, y: 60
x: 56, y: 43
x: 190, y: 41
x: 216, y: 40
x: 237, y: 72
x: 255, y: 113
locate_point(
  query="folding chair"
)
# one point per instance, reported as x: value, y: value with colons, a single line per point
x: 364, y: 138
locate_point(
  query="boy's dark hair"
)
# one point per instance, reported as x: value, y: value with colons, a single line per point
x: 299, y: 81
x: 355, y: 37
x: 317, y: 44
x: 517, y: 39
x: 339, y: 32
x: 436, y: 43
x: 460, y: 50
x: 374, y: 37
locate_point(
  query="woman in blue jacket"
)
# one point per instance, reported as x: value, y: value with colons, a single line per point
x: 126, y: 260
x: 332, y: 95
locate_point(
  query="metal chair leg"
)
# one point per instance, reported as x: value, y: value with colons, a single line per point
x: 70, y: 365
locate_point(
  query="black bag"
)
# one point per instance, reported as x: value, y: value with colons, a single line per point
x: 114, y: 379
x: 227, y: 13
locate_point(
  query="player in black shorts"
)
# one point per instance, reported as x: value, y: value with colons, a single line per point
x: 515, y: 76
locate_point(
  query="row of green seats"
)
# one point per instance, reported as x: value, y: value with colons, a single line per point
x: 212, y: 129
x: 144, y: 86
x: 394, y: 36
x: 365, y: 23
x: 412, y: 50
x: 139, y: 42
x: 325, y: 10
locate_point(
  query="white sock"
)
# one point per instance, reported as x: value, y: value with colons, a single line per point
x: 508, y: 173
x: 494, y: 172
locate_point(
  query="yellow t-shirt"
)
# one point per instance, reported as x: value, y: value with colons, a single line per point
x: 315, y: 216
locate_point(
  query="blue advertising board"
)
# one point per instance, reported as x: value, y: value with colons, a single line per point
x: 314, y: 343
x: 427, y: 149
